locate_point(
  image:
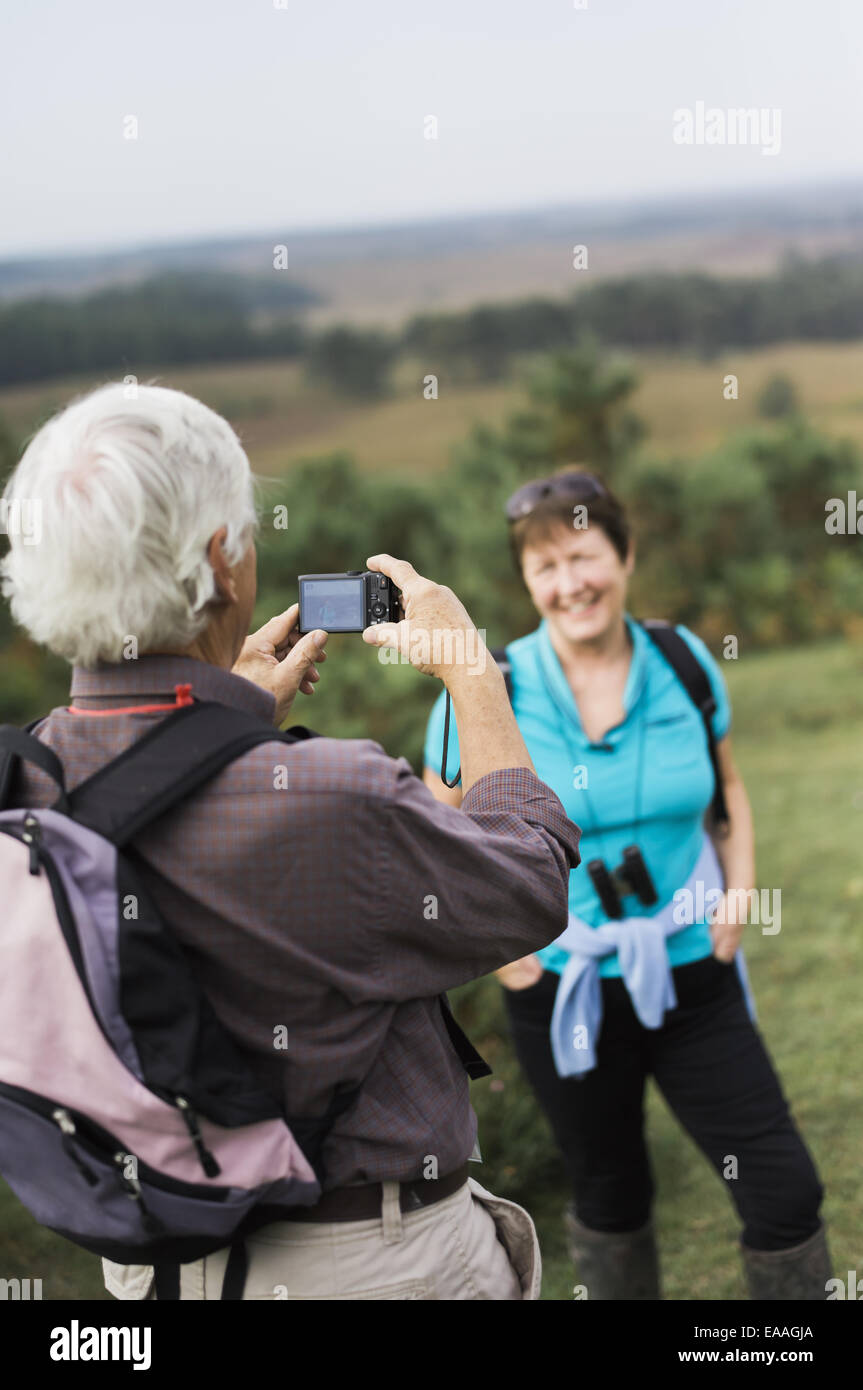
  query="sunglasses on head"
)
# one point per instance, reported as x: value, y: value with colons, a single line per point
x: 575, y: 486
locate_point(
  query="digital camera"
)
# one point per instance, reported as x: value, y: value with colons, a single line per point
x: 347, y: 602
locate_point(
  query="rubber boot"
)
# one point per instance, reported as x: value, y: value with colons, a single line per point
x: 799, y: 1273
x: 615, y: 1264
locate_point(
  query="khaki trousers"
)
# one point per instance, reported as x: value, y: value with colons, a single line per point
x: 471, y: 1245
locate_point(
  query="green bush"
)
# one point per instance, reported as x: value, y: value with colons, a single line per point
x: 779, y: 398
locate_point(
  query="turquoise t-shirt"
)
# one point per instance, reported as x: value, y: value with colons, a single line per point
x: 661, y: 809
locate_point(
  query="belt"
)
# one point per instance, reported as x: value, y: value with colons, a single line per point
x: 364, y: 1203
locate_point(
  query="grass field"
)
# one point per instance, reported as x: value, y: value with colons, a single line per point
x: 282, y: 418
x: 798, y: 732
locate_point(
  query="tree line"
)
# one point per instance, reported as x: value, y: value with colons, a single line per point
x: 180, y: 317
x: 802, y: 300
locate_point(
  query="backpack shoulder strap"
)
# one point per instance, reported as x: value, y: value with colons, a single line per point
x: 17, y: 746
x: 499, y: 655
x: 693, y: 677
x: 473, y: 1062
x: 166, y: 765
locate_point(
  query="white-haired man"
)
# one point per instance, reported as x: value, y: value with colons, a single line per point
x: 143, y: 578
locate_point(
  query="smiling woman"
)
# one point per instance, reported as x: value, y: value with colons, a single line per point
x: 577, y: 581
x: 633, y: 988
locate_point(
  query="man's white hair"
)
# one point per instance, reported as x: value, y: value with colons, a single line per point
x: 130, y: 484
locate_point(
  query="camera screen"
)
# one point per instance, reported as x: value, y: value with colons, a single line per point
x: 333, y: 604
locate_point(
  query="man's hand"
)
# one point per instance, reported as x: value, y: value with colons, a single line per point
x: 438, y: 637
x: 280, y: 660
x: 437, y: 634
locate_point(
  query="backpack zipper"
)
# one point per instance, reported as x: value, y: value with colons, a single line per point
x: 62, y: 1118
x: 131, y: 1186
x: 208, y: 1162
x: 31, y: 835
x: 152, y: 1225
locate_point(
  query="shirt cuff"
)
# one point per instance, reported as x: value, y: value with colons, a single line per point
x: 520, y: 792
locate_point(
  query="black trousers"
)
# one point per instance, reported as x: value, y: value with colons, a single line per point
x: 712, y: 1068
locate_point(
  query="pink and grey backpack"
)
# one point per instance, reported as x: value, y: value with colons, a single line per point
x: 129, y: 1122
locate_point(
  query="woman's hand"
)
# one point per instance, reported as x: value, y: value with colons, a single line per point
x: 281, y: 660
x: 726, y: 930
x: 520, y: 974
x: 736, y: 853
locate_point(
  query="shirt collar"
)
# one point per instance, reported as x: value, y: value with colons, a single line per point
x: 157, y: 676
x: 559, y: 686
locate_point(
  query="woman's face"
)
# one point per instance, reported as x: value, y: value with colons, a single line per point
x: 577, y: 582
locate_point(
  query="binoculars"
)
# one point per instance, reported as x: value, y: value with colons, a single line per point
x: 631, y: 876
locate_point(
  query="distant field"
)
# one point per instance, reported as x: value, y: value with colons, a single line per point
x: 387, y: 289
x: 682, y: 402
x: 282, y: 418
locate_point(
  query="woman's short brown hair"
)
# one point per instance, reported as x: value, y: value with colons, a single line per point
x: 556, y: 508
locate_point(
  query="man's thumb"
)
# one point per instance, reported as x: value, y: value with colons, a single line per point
x: 309, y: 648
x: 382, y: 634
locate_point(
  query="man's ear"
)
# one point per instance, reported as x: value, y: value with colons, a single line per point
x: 225, y: 583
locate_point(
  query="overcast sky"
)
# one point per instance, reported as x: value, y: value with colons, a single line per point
x: 256, y: 118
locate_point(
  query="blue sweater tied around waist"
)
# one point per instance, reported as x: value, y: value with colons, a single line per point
x: 644, y: 964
